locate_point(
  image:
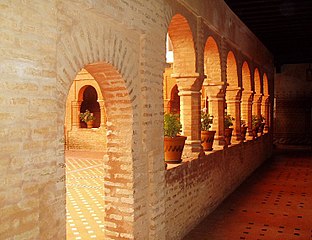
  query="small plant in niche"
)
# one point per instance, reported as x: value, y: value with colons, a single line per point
x: 87, y: 116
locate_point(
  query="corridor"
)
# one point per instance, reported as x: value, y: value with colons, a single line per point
x: 275, y: 203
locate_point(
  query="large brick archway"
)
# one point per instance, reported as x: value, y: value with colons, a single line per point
x: 105, y: 61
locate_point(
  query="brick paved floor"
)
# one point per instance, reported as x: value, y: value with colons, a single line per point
x: 275, y: 203
x: 84, y: 196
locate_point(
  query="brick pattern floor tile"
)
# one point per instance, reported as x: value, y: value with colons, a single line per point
x: 275, y: 203
x: 84, y: 195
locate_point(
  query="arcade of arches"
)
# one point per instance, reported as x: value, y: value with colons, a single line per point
x: 127, y: 62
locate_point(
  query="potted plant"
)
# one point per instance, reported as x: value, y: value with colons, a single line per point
x: 243, y: 130
x: 173, y: 142
x: 255, y: 126
x: 88, y: 118
x: 228, y: 122
x: 207, y: 136
x: 261, y: 124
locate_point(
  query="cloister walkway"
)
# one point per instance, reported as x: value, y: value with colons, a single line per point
x: 85, y: 194
x: 275, y: 203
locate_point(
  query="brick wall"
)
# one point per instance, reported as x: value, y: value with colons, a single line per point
x: 87, y: 139
x: 44, y: 44
x: 195, y: 188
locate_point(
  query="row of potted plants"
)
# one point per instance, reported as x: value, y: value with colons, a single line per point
x: 174, y: 143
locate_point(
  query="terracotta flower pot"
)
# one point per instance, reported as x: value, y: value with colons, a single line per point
x: 173, y: 147
x: 261, y: 128
x: 243, y: 132
x: 90, y: 124
x: 207, y: 138
x: 255, y: 131
x: 228, y: 135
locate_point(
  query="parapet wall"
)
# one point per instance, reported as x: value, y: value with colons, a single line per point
x: 196, y: 187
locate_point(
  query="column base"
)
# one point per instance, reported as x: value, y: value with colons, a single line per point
x: 193, y: 149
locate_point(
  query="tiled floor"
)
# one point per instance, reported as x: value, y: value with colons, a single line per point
x: 84, y: 198
x: 275, y: 203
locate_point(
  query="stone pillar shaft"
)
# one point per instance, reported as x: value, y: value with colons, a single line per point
x: 189, y: 86
x: 257, y: 104
x: 233, y: 101
x: 216, y: 102
x: 103, y: 113
x: 247, y: 99
x: 75, y: 105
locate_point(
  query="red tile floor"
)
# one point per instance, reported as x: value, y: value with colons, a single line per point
x: 275, y: 203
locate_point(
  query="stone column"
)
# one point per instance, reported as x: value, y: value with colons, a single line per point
x: 233, y: 101
x: 103, y: 113
x: 189, y: 86
x: 266, y: 112
x: 75, y: 105
x: 215, y: 92
x: 247, y: 99
x: 256, y: 108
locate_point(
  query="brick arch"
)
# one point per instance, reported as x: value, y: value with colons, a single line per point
x: 246, y: 77
x: 108, y: 57
x: 212, y: 61
x: 257, y: 82
x: 183, y: 45
x: 231, y: 70
x: 93, y: 84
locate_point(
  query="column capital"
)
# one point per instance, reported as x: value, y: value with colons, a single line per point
x: 101, y: 103
x: 247, y: 96
x: 234, y: 93
x: 189, y: 82
x: 216, y: 90
x: 76, y: 103
x: 266, y: 97
x: 257, y: 97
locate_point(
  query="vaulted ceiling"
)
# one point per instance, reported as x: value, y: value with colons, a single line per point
x: 284, y: 26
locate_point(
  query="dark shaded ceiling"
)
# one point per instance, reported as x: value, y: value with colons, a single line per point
x: 284, y: 26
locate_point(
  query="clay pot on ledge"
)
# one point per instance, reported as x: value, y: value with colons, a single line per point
x: 261, y: 128
x: 90, y: 124
x: 228, y: 135
x: 207, y: 138
x: 243, y: 132
x: 255, y: 131
x: 173, y: 147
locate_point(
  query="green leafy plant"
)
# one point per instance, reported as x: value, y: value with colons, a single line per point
x: 206, y: 121
x: 87, y: 116
x: 172, y: 125
x: 255, y: 121
x: 228, y: 120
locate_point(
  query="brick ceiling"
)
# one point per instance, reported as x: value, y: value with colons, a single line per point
x: 284, y: 26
